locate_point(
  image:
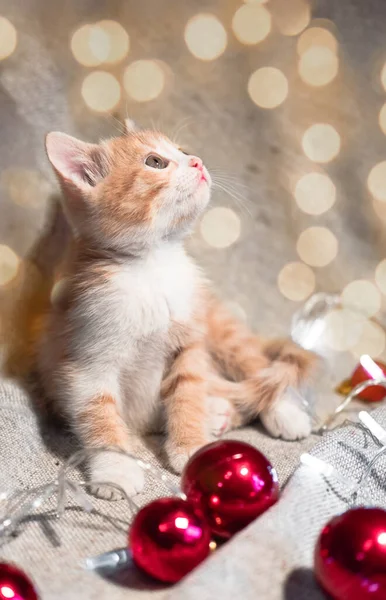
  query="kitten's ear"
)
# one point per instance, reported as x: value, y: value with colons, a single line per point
x: 78, y: 165
x: 130, y: 125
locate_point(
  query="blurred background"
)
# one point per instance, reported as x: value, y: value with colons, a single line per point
x: 285, y: 100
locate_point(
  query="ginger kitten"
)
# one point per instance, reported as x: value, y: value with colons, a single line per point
x: 136, y: 338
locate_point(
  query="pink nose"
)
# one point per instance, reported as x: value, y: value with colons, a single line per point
x: 196, y: 162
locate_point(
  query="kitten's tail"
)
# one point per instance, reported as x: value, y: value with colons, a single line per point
x: 290, y: 366
x: 29, y: 299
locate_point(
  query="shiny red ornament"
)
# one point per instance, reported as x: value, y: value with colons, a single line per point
x: 350, y: 555
x: 375, y: 393
x: 15, y: 585
x: 169, y: 538
x: 232, y: 482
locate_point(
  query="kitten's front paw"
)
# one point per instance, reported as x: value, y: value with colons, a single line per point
x: 118, y: 469
x: 286, y: 419
x: 178, y: 456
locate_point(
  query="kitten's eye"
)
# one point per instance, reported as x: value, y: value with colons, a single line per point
x: 184, y: 152
x: 156, y: 162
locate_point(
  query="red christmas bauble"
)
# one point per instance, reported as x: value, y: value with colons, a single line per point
x: 350, y: 555
x: 14, y: 584
x: 232, y: 482
x: 374, y: 393
x: 169, y: 538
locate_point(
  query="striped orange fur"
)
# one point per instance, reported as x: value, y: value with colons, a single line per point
x: 136, y: 339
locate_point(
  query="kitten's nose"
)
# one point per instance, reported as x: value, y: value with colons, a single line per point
x: 196, y: 162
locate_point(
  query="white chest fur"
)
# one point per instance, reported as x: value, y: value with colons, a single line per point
x: 155, y: 290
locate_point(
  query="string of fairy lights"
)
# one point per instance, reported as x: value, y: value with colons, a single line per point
x: 102, y: 46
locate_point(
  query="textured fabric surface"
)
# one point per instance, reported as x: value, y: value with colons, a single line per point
x: 52, y: 551
x: 273, y: 558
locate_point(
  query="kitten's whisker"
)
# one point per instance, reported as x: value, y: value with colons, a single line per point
x: 120, y: 125
x: 234, y: 191
x: 117, y: 129
x: 239, y: 199
x: 185, y: 122
x: 157, y: 125
x: 177, y: 140
x: 225, y: 173
x: 236, y: 184
x: 231, y: 187
x: 114, y: 122
x: 228, y: 178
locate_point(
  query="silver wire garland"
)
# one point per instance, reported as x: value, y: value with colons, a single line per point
x: 22, y: 503
x: 352, y: 488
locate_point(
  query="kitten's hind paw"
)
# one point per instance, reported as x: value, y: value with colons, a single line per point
x: 119, y: 470
x: 286, y: 418
x: 220, y: 416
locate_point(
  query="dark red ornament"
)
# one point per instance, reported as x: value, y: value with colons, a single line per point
x: 14, y: 584
x: 350, y: 555
x: 169, y: 538
x: 232, y: 482
x: 366, y: 370
x: 374, y: 393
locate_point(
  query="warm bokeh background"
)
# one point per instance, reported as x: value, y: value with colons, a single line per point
x: 284, y: 99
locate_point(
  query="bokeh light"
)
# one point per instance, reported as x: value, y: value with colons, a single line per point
x: 144, y: 80
x: 251, y: 23
x: 98, y: 43
x: 220, y: 227
x: 380, y: 209
x: 103, y: 42
x: 380, y: 275
x: 343, y: 329
x: 318, y: 66
x: 317, y: 246
x: 291, y: 17
x: 85, y: 48
x: 316, y: 36
x: 315, y: 193
x: 321, y: 142
x: 296, y: 281
x: 372, y: 340
x: 26, y: 187
x: 57, y: 291
x: 382, y: 119
x: 205, y: 37
x: 376, y: 181
x: 383, y: 76
x: 118, y: 40
x: 8, y: 38
x: 9, y: 265
x: 101, y: 91
x: 268, y: 87
x: 363, y: 296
